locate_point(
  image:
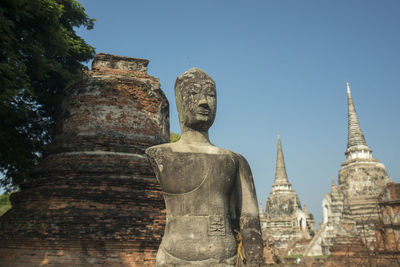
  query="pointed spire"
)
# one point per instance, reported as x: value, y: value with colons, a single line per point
x: 280, y: 172
x: 305, y: 208
x: 355, y: 135
x: 355, y: 138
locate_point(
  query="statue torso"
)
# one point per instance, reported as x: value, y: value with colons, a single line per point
x: 197, y: 185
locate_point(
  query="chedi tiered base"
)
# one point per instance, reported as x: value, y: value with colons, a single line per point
x: 94, y: 199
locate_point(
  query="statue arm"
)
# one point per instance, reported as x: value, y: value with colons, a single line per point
x: 250, y: 229
x: 153, y: 154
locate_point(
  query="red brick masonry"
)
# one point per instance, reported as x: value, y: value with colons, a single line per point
x: 94, y: 199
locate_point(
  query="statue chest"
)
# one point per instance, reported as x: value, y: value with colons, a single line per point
x: 196, y: 183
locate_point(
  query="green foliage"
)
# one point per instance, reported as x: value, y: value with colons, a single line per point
x: 5, y: 199
x: 40, y: 57
x: 173, y: 137
x: 5, y: 204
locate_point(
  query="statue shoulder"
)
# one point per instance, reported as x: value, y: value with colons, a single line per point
x: 157, y: 150
x: 243, y: 166
x: 156, y: 155
x: 241, y: 159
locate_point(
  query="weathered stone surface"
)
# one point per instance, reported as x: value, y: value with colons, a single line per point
x: 349, y: 246
x: 209, y: 191
x: 94, y: 199
x: 120, y: 63
x: 360, y: 178
x: 282, y: 204
x: 332, y: 210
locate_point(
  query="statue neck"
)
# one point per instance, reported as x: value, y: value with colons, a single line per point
x: 193, y: 136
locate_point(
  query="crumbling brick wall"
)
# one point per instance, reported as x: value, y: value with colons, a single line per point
x: 94, y: 199
x: 388, y: 227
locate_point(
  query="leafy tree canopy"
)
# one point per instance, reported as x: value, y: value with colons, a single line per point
x: 40, y: 56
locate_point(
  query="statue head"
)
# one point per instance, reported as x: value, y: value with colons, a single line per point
x: 196, y: 100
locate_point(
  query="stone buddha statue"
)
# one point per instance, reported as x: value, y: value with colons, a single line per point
x: 209, y: 191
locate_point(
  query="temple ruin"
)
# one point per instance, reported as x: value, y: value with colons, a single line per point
x: 94, y: 199
x: 350, y: 209
x: 284, y: 221
x: 349, y: 248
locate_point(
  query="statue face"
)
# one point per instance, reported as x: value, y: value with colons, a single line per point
x: 199, y: 103
x: 196, y: 100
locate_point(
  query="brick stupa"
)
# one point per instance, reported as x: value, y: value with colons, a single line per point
x: 94, y: 199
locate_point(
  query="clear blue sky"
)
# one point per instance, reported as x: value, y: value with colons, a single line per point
x: 278, y: 66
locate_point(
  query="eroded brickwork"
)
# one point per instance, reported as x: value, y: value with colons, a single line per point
x: 94, y: 199
x: 388, y: 226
